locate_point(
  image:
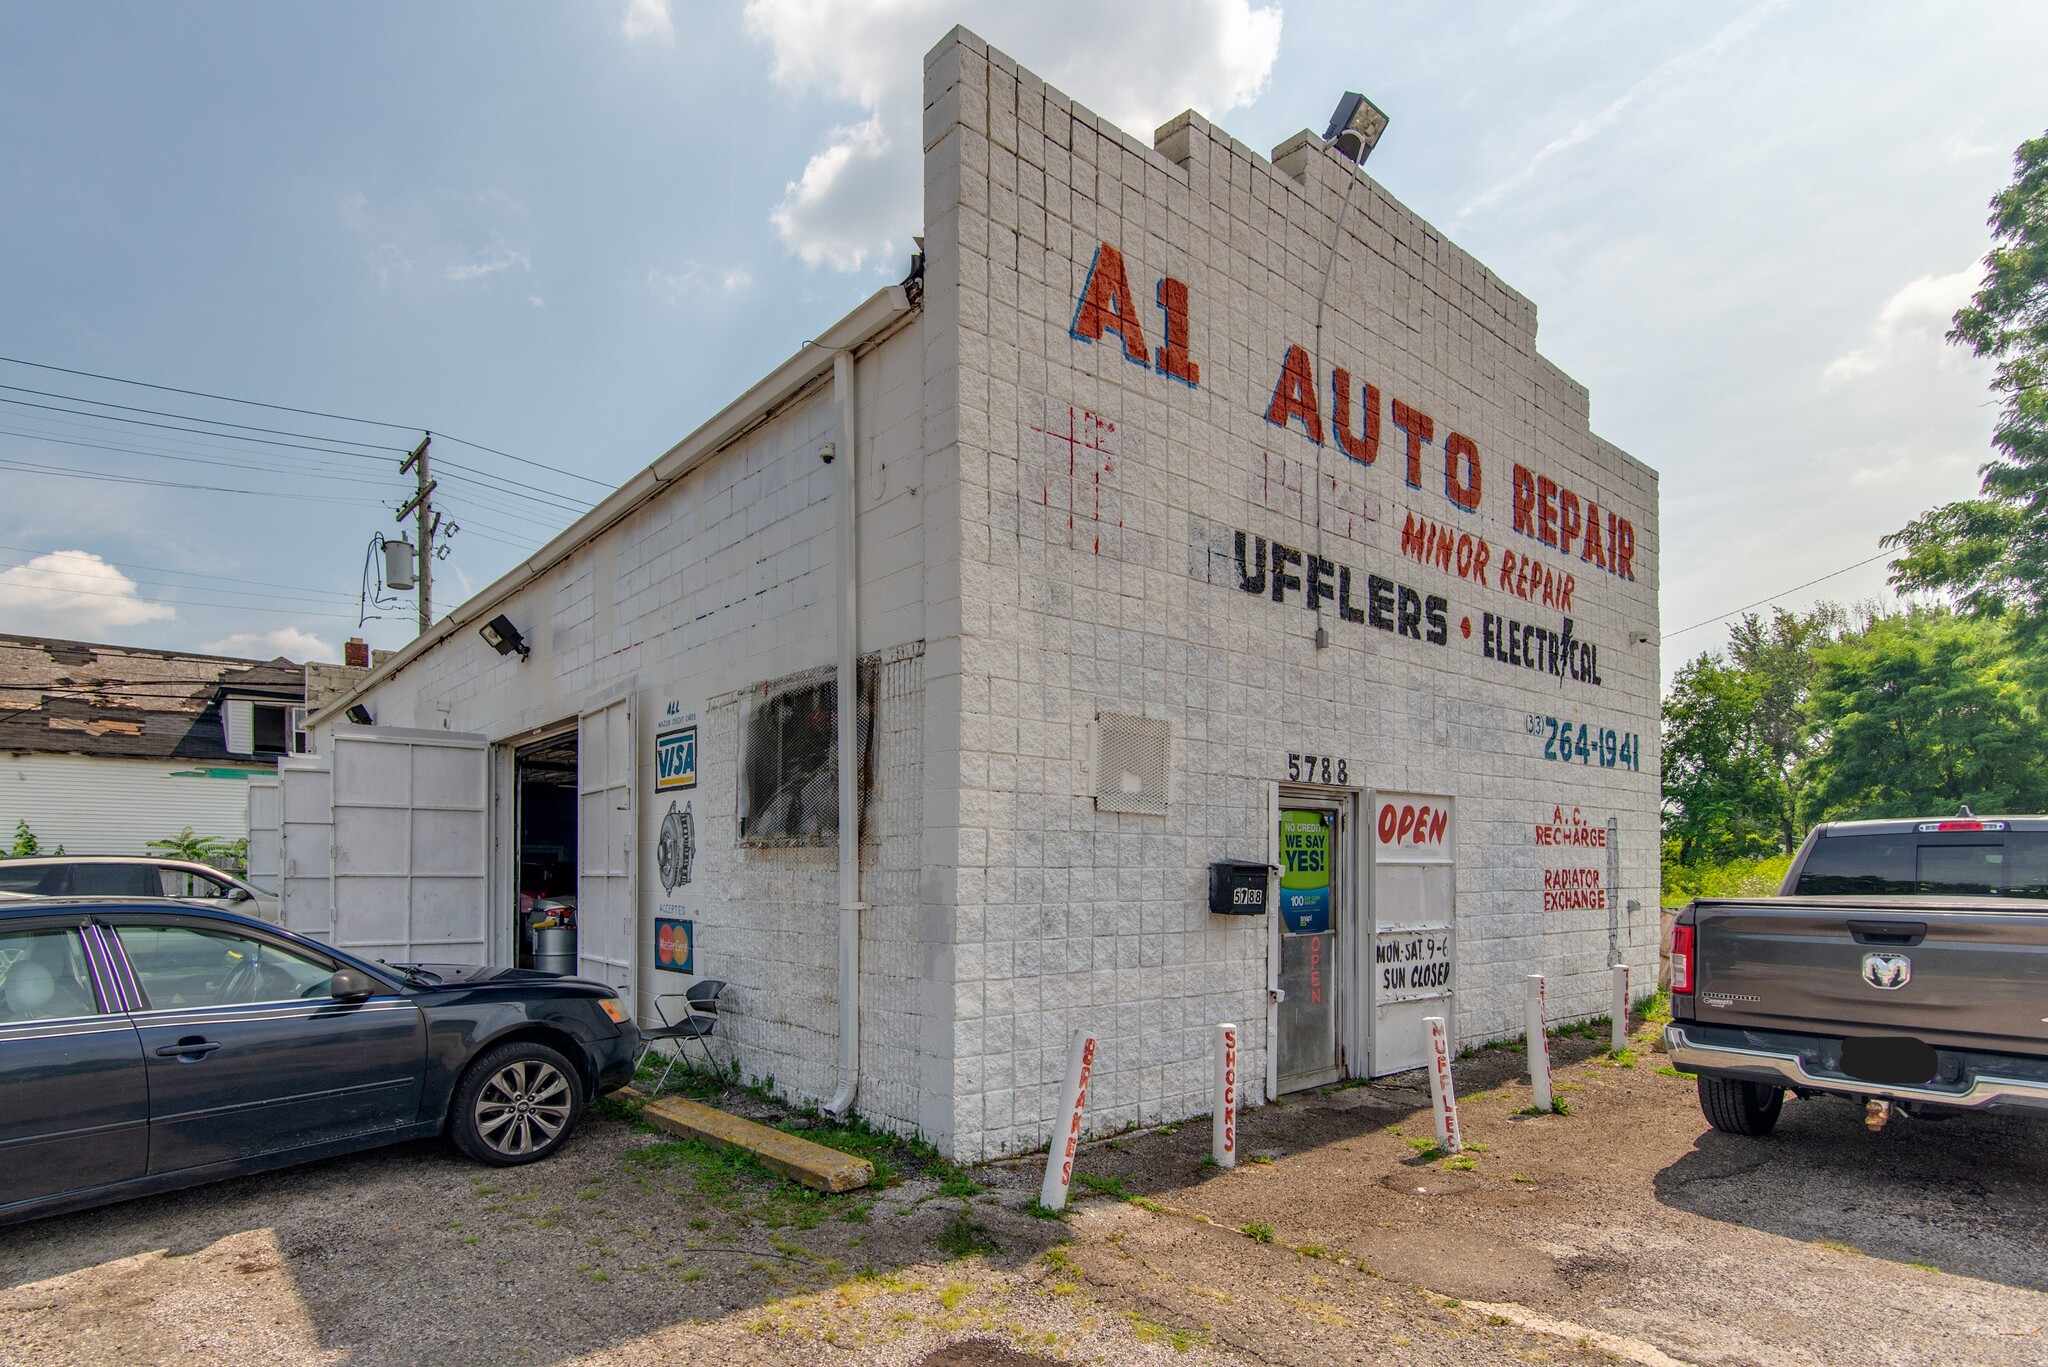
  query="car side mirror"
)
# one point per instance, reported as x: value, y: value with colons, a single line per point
x: 350, y: 985
x: 240, y: 895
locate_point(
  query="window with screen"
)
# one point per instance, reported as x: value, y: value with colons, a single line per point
x: 789, y: 773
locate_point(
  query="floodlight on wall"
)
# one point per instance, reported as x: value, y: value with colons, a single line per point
x: 358, y: 714
x: 1356, y: 127
x: 503, y: 637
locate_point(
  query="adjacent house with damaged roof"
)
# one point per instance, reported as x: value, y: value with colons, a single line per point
x: 105, y: 747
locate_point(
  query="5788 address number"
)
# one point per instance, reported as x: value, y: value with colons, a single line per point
x: 1569, y: 742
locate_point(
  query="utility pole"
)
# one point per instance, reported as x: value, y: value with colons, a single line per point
x: 421, y: 505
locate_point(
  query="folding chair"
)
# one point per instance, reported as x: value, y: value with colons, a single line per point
x: 698, y: 1020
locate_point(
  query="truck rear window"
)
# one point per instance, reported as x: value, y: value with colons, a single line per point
x: 1910, y: 865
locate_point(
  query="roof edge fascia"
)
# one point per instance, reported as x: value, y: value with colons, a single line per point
x: 874, y: 315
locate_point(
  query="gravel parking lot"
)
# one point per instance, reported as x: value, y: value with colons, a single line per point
x: 1625, y: 1230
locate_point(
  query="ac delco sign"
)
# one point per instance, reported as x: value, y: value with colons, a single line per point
x: 1411, y: 823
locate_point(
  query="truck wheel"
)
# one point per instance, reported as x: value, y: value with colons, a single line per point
x: 515, y: 1105
x: 1748, y: 1108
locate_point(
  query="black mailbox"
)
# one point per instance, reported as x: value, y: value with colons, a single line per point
x: 1237, y: 888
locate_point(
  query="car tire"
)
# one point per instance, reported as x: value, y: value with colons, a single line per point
x: 516, y: 1104
x: 1737, y: 1107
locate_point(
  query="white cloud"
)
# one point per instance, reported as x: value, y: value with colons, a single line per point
x: 647, y: 19
x: 492, y: 260
x: 862, y: 193
x: 289, y: 642
x: 1911, y: 326
x: 73, y: 594
x: 696, y: 279
x: 1606, y: 117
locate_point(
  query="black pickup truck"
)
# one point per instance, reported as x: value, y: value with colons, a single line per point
x: 1903, y: 964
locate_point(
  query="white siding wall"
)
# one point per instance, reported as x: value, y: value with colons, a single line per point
x: 111, y: 806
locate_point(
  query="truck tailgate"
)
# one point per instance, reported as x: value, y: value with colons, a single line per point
x: 1967, y: 974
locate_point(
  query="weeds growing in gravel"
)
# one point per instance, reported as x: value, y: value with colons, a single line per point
x: 1257, y: 1232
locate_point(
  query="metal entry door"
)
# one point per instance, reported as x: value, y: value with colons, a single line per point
x: 607, y: 892
x: 1312, y: 898
x: 1413, y: 887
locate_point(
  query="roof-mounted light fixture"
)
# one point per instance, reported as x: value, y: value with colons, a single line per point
x: 1356, y: 127
x: 500, y: 635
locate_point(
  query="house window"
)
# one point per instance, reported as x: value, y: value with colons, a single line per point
x: 789, y: 775
x: 260, y: 728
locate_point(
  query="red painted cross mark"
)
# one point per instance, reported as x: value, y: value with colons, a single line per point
x: 1090, y: 459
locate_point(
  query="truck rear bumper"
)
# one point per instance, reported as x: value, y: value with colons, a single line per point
x: 1787, y: 1069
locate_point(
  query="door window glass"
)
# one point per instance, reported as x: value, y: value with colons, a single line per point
x: 190, y: 967
x: 43, y: 976
x: 112, y: 880
x: 186, y: 883
x: 26, y: 878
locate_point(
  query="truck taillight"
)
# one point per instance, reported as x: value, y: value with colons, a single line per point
x: 1681, y: 958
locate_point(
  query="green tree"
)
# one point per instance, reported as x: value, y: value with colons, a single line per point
x: 1777, y: 658
x: 1919, y: 713
x: 200, y: 849
x: 1721, y: 797
x: 1990, y: 554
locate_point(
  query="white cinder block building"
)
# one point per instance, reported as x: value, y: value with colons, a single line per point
x: 1203, y: 507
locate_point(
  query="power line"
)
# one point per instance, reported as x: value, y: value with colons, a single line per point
x: 316, y: 596
x: 217, y: 422
x: 196, y: 460
x: 1779, y: 594
x: 303, y: 412
x: 59, y: 472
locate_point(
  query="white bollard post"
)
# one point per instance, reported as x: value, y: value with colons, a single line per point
x: 1539, y: 1044
x: 1443, y: 1094
x: 1059, y: 1158
x: 1620, y: 1007
x: 1223, y: 1113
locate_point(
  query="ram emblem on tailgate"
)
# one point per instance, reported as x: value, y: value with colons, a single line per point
x: 1887, y: 972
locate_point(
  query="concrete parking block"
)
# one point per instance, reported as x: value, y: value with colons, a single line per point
x: 800, y: 1160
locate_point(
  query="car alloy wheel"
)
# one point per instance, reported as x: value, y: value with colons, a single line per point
x: 523, y: 1108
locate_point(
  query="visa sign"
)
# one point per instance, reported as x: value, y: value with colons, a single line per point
x: 675, y: 757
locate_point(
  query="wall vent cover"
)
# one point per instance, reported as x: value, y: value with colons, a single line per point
x: 1130, y: 764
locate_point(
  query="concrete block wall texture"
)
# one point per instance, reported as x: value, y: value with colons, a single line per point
x: 720, y: 583
x: 1100, y: 500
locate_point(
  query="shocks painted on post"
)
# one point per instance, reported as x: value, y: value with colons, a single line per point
x: 1223, y: 1108
x: 1443, y: 1093
x: 1066, y: 1140
x: 1620, y: 1007
x: 1539, y: 1045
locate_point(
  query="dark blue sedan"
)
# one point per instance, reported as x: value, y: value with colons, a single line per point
x: 146, y: 1047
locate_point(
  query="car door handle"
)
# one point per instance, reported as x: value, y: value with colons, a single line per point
x: 189, y: 1049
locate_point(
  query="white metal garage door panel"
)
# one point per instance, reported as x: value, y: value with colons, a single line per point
x: 409, y: 844
x: 306, y: 845
x: 266, y: 834
x: 607, y: 888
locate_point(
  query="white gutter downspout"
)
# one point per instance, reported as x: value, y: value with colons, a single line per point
x: 850, y: 905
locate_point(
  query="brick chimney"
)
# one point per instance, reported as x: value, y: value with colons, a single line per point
x: 356, y: 654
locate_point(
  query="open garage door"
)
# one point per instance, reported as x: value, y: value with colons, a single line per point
x: 607, y: 889
x: 409, y: 844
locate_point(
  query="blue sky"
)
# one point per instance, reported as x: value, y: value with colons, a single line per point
x: 572, y: 231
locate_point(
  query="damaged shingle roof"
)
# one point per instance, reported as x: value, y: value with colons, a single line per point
x: 76, y: 698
